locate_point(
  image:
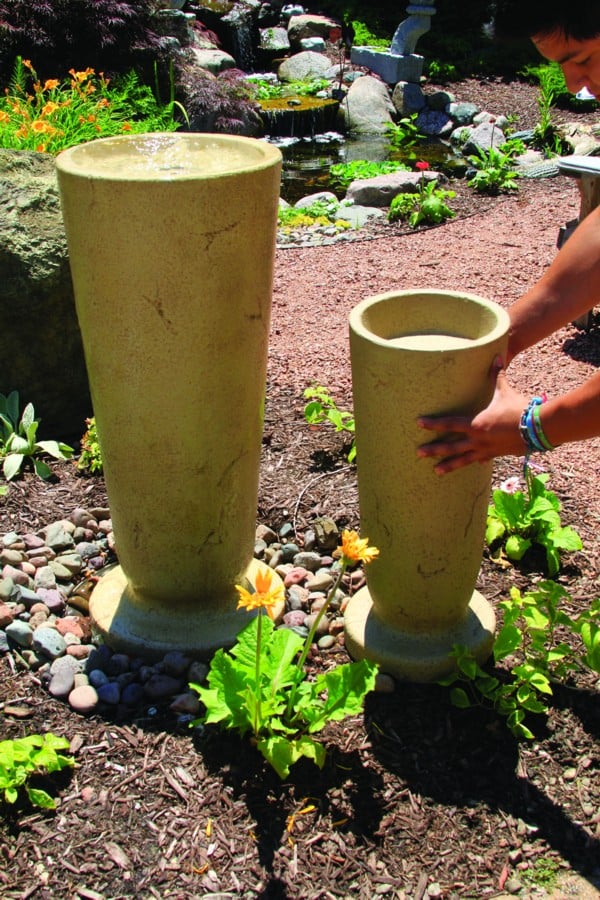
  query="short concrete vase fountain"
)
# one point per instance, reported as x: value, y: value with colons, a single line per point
x: 171, y: 244
x: 420, y: 353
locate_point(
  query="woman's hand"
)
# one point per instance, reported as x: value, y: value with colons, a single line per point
x: 492, y: 432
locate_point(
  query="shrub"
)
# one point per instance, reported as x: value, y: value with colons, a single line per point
x: 103, y: 34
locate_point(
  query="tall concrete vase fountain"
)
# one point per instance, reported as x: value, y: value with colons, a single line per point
x: 420, y: 353
x: 171, y: 244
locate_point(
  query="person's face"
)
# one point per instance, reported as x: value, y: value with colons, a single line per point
x: 579, y: 60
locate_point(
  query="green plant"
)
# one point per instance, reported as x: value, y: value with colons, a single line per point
x: 442, y: 71
x: 18, y: 439
x: 544, y: 873
x: 533, y: 640
x: 261, y: 686
x: 495, y: 172
x: 323, y: 408
x: 427, y: 207
x: 404, y: 134
x: 32, y: 755
x: 546, y: 136
x: 52, y: 116
x: 268, y: 90
x: 321, y: 212
x: 343, y: 174
x: 364, y: 37
x: 519, y: 519
x: 90, y: 457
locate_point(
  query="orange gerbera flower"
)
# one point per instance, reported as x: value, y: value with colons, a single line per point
x: 356, y: 549
x: 264, y: 597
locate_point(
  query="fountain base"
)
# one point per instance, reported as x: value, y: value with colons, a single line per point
x: 417, y: 656
x: 150, y: 628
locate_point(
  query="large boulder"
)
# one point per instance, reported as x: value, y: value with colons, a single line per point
x: 40, y: 343
x: 306, y: 26
x: 381, y: 190
x: 368, y: 108
x: 304, y: 66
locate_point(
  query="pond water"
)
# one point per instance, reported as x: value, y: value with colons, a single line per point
x: 307, y: 161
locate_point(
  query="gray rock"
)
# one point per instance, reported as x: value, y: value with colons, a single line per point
x: 160, y: 686
x: 20, y: 633
x: 368, y: 108
x: 320, y: 196
x: 358, y: 216
x: 58, y: 537
x: 308, y: 560
x: 482, y: 137
x: 45, y: 579
x: 308, y: 25
x: 213, y: 61
x: 49, y: 642
x: 381, y: 190
x: 408, y: 98
x: 275, y: 39
x: 8, y: 589
x: 63, y: 678
x: 462, y: 113
x: 10, y: 538
x: 26, y: 596
x: 175, y: 663
x: 304, y: 66
x: 35, y: 284
x: 439, y: 100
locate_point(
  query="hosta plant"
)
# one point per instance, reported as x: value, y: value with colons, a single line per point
x: 261, y: 686
x: 18, y: 442
x: 35, y: 754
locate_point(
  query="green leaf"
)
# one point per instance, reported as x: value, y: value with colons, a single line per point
x: 460, y: 698
x: 18, y: 444
x: 28, y: 417
x: 282, y: 753
x: 517, y: 546
x: 40, y: 798
x: 566, y: 539
x: 495, y: 530
x: 345, y: 686
x: 11, y: 465
x: 508, y: 640
x: 53, y: 448
x: 42, y: 470
x: 10, y: 794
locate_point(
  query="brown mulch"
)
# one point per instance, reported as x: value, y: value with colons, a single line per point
x: 417, y: 798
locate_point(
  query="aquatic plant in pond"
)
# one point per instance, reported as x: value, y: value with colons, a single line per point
x: 260, y: 686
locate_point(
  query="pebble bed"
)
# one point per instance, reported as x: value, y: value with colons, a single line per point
x: 46, y: 579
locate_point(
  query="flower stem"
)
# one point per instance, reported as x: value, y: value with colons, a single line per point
x: 311, y: 634
x: 257, y: 714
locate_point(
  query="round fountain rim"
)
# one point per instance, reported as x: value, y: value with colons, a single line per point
x: 358, y: 327
x: 82, y: 160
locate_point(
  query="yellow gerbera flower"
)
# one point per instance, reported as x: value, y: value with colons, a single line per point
x: 263, y: 597
x: 356, y: 549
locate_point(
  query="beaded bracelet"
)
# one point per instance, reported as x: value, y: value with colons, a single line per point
x: 530, y: 427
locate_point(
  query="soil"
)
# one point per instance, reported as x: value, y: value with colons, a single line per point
x: 417, y: 798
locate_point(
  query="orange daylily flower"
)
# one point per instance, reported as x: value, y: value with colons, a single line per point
x: 81, y: 76
x: 50, y: 84
x: 49, y: 108
x: 356, y: 549
x: 264, y: 596
x: 4, y: 117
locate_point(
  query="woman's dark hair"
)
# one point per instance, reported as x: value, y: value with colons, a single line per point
x: 575, y: 19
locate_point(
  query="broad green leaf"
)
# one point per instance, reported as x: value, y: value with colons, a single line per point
x: 509, y: 507
x: 28, y: 417
x: 495, y: 530
x: 346, y: 687
x: 508, y: 640
x: 459, y: 698
x: 40, y: 798
x: 18, y: 444
x: 282, y: 753
x: 42, y: 469
x: 10, y: 795
x: 566, y: 538
x: 517, y: 546
x: 11, y: 465
x: 53, y: 448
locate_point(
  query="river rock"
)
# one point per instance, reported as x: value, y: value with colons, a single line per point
x: 48, y: 642
x: 20, y: 633
x: 83, y: 699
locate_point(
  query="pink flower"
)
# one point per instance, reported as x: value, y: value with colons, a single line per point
x: 511, y: 485
x: 422, y: 166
